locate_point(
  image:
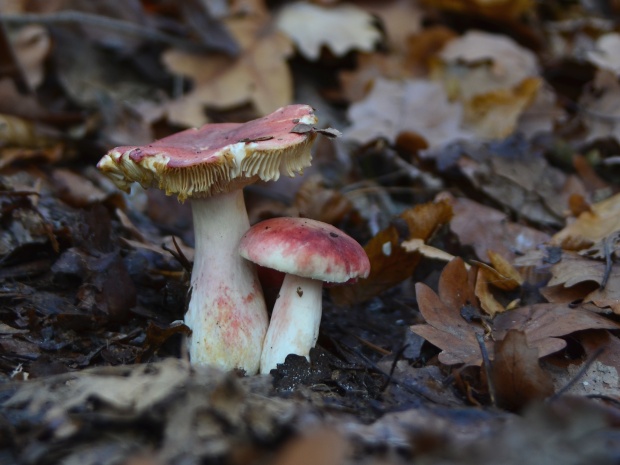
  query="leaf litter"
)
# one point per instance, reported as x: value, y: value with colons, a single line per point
x: 494, y: 145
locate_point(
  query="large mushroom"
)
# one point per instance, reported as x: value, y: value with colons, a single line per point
x: 210, y: 166
x: 310, y: 252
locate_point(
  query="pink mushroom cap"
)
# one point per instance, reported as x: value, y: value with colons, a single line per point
x: 218, y: 158
x: 306, y: 248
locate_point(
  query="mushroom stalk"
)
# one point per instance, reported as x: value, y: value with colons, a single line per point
x: 226, y: 312
x: 295, y: 321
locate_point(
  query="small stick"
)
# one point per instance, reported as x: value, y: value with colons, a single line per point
x: 397, y: 356
x: 486, y: 362
x: 597, y: 353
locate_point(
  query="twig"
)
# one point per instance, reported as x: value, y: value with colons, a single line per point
x: 405, y: 385
x: 104, y: 22
x: 607, y: 250
x: 397, y: 357
x: 597, y: 353
x: 486, y: 363
x: 178, y: 255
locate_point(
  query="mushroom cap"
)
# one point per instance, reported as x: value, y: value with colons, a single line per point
x: 218, y: 158
x: 305, y: 247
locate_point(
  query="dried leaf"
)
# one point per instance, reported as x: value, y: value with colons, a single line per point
x: 445, y: 327
x: 390, y: 263
x: 341, y: 28
x: 574, y: 269
x: 488, y: 302
x: 524, y: 181
x: 401, y: 19
x: 517, y: 375
x: 495, y: 115
x: 314, y: 200
x: 600, y: 107
x: 501, y: 274
x: 259, y: 76
x: 606, y: 54
x: 411, y: 105
x: 544, y: 324
x: 428, y: 251
x: 594, y: 225
x: 485, y: 228
x: 31, y: 45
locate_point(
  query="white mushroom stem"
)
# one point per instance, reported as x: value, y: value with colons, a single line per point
x: 295, y: 321
x: 226, y: 313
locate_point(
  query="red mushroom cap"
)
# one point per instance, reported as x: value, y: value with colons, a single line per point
x: 307, y: 248
x: 218, y: 157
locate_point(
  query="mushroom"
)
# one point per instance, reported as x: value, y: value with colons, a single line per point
x: 210, y: 166
x: 310, y: 252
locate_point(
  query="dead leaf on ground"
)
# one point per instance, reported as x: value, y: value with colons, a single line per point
x: 516, y: 373
x: 601, y: 97
x: 487, y: 300
x: 315, y: 200
x: 591, y: 226
x: 523, y: 181
x: 394, y: 107
x: 341, y: 28
x: 485, y: 228
x: 494, y: 78
x: 390, y: 263
x: 446, y: 328
x: 412, y: 59
x: 495, y: 115
x: 544, y: 324
x: 31, y: 45
x: 259, y: 76
x: 585, y: 276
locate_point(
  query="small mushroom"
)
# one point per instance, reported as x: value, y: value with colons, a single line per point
x: 310, y: 252
x: 210, y: 166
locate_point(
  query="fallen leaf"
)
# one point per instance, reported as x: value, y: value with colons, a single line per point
x: 591, y: 226
x: 495, y: 79
x: 523, y: 181
x: 495, y: 115
x: 417, y: 106
x: 485, y: 228
x: 606, y: 54
x: 480, y: 62
x: 600, y: 107
x: 487, y: 300
x: 428, y: 251
x: 516, y: 373
x: 315, y: 200
x: 259, y: 76
x: 544, y: 324
x: 341, y: 28
x: 446, y: 328
x: 400, y: 18
x: 390, y: 263
x: 501, y: 274
x: 31, y: 45
x: 574, y: 269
